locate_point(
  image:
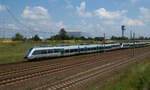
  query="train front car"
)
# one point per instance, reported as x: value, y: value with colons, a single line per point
x: 29, y: 53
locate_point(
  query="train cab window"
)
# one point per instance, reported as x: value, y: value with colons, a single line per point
x: 29, y: 51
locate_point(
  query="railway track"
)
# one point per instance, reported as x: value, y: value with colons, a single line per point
x: 42, y: 66
x: 22, y: 65
x: 19, y: 65
x: 5, y: 69
x: 54, y: 70
x: 39, y: 65
x: 83, y: 77
x: 5, y: 75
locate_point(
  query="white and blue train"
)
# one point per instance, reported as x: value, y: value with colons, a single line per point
x: 65, y: 50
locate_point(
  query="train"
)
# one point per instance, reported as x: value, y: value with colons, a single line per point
x: 38, y: 52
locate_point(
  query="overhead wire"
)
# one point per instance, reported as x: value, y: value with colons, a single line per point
x: 19, y: 22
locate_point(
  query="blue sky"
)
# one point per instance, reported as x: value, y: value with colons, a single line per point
x: 93, y: 17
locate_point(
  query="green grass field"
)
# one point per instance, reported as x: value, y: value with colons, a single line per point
x: 14, y: 51
x: 134, y: 78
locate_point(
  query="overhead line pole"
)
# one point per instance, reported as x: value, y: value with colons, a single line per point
x: 131, y: 35
x: 133, y: 44
x: 104, y: 43
x: 131, y: 40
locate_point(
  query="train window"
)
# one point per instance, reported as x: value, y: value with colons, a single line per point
x: 50, y: 51
x: 36, y: 52
x: 98, y: 47
x: 57, y: 50
x: 71, y: 50
x: 107, y: 47
x: 81, y: 49
x: 67, y: 51
x: 94, y: 48
x: 76, y: 50
x: 101, y: 47
x: 88, y: 48
x: 43, y: 51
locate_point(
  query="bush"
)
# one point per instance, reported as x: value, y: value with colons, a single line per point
x: 18, y: 37
x: 36, y: 38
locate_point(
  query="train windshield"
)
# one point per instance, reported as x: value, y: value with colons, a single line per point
x: 28, y: 52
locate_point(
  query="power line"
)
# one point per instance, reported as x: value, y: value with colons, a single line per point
x: 28, y: 30
x: 16, y: 19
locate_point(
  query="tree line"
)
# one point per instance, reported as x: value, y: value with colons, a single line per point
x: 62, y: 35
x: 126, y: 38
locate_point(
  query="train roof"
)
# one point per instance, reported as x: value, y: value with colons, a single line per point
x: 113, y: 44
x: 81, y: 46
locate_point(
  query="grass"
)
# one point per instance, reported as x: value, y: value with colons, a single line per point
x: 134, y: 78
x: 11, y: 52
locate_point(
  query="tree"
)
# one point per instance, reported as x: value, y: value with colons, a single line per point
x: 36, y: 38
x: 99, y: 38
x: 90, y: 38
x: 82, y: 38
x: 72, y: 38
x: 18, y: 37
x: 119, y: 38
x: 63, y: 34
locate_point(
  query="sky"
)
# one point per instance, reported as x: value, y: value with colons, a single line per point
x: 92, y: 17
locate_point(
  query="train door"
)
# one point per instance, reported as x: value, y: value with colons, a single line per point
x: 86, y: 50
x: 62, y: 52
x: 97, y: 49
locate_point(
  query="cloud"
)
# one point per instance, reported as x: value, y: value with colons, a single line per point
x: 102, y: 13
x: 132, y: 22
x: 81, y: 10
x: 69, y: 5
x: 13, y: 26
x: 109, y: 22
x: 37, y: 12
x: 88, y: 29
x: 135, y: 1
x: 44, y: 25
x: 145, y: 14
x: 37, y: 19
x: 3, y: 7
